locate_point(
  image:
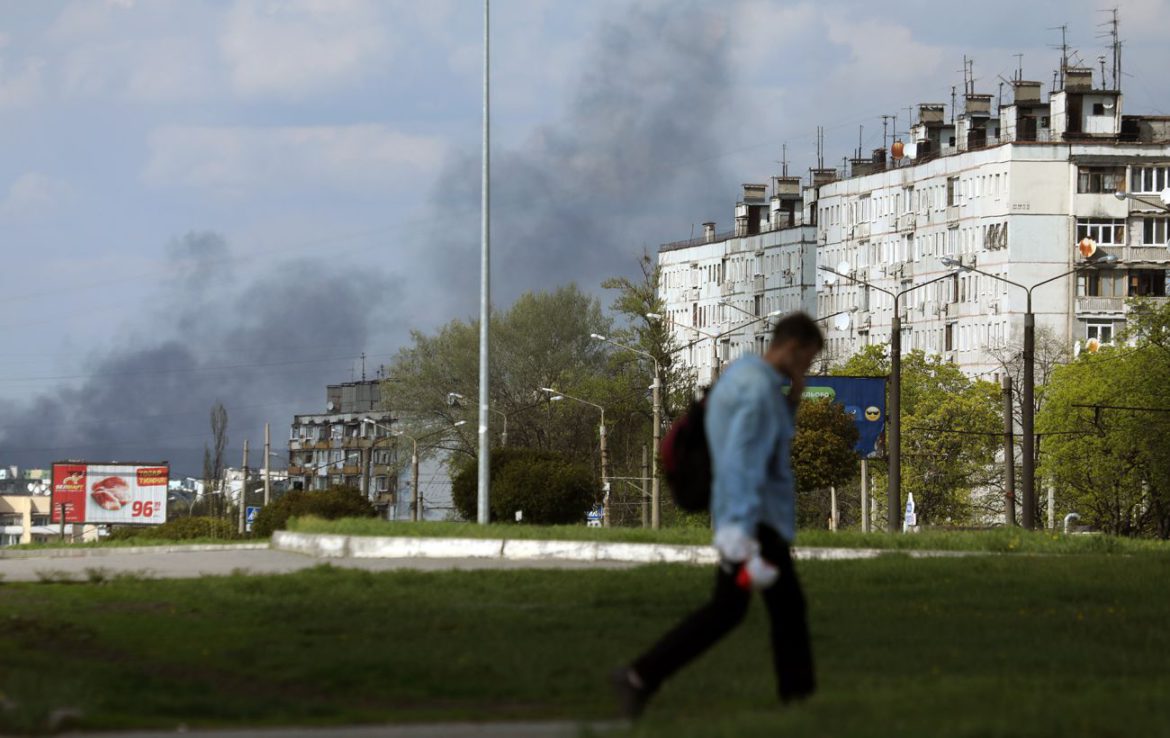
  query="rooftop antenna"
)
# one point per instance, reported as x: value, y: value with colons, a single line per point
x: 1114, y: 35
x: 860, y: 130
x: 885, y: 123
x: 820, y: 147
x: 952, y: 105
x: 1019, y: 67
x: 363, y: 366
x: 784, y: 159
x: 1063, y: 52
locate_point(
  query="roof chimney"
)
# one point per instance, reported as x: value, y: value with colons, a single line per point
x: 755, y: 194
x: 709, y: 231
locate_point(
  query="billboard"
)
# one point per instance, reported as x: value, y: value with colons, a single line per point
x: 110, y: 493
x: 863, y: 397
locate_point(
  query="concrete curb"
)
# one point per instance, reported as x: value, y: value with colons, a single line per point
x: 82, y: 552
x: 325, y: 545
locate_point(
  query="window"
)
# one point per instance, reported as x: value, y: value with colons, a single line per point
x: 1154, y: 231
x: 1149, y: 179
x: 950, y: 337
x: 1147, y: 283
x: 1105, y: 231
x: 952, y: 191
x: 1097, y: 180
x: 1103, y: 332
x: 1101, y: 284
x: 1098, y: 108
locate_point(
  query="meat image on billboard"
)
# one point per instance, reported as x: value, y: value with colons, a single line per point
x: 110, y: 493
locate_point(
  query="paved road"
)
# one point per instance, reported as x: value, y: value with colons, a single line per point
x: 182, y: 564
x: 431, y: 730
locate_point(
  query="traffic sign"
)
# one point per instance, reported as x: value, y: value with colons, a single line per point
x: 250, y: 513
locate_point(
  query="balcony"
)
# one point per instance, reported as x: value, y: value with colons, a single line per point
x: 296, y: 471
x: 1101, y: 305
x: 1157, y: 254
x: 350, y: 471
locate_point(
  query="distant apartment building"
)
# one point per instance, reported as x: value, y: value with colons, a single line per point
x: 336, y: 448
x: 1013, y: 193
x: 718, y: 281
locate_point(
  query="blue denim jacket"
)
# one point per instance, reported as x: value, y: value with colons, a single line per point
x: 749, y: 431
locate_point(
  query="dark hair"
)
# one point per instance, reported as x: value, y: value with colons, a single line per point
x: 798, y: 327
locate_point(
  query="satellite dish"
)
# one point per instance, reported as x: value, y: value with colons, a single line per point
x: 841, y: 322
x: 330, y: 406
x: 1164, y: 196
x: 911, y: 150
x: 829, y: 278
x: 1087, y: 247
x: 843, y: 267
x: 1092, y: 345
x: 898, y: 150
x: 1109, y: 105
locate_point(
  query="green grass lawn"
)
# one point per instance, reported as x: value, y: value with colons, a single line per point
x: 1002, y: 540
x: 988, y: 646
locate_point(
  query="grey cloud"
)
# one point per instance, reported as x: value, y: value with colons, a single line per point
x: 265, y: 347
x: 627, y: 165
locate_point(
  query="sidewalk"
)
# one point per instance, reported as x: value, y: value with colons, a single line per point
x: 551, y: 729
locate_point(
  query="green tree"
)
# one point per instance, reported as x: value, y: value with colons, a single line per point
x: 548, y: 487
x: 1110, y: 462
x: 950, y: 434
x: 823, y: 456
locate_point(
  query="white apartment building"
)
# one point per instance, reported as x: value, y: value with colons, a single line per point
x: 1011, y: 195
x: 714, y: 284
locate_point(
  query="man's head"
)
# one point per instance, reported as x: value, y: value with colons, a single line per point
x: 796, y: 341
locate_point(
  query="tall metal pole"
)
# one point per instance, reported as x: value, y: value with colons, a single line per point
x: 655, y: 507
x: 414, y: 511
x: 267, y: 464
x: 1009, y: 455
x: 1028, y: 416
x: 645, y: 491
x: 604, y: 472
x: 864, y: 495
x: 244, y: 492
x: 894, y: 454
x: 484, y: 291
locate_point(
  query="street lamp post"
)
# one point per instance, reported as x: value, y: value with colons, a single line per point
x: 894, y: 413
x: 656, y: 430
x: 556, y: 394
x: 453, y: 398
x: 485, y: 300
x: 1028, y: 391
x: 414, y: 495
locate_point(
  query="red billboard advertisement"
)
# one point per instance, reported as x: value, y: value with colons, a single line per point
x: 110, y: 493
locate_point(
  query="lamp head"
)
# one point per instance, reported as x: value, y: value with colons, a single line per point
x: 951, y: 263
x: 549, y: 390
x: 597, y: 336
x: 1120, y: 195
x: 458, y: 423
x: 651, y: 316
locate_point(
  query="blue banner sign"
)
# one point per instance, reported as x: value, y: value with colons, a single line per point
x: 862, y: 397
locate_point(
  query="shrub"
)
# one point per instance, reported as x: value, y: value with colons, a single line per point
x: 333, y: 503
x: 177, y: 529
x: 549, y: 487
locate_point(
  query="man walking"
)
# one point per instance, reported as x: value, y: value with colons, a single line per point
x: 749, y: 427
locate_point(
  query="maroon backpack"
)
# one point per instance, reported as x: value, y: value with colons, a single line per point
x: 686, y: 460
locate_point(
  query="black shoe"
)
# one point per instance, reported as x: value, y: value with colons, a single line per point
x: 631, y: 699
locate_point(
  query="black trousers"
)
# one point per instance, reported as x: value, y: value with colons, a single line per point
x: 791, y: 651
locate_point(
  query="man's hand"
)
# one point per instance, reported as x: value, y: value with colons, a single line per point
x: 756, y: 574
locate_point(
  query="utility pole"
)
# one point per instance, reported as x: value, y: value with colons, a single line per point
x: 414, y: 497
x: 267, y: 464
x: 485, y: 310
x: 604, y: 472
x: 244, y: 491
x: 1009, y: 454
x: 864, y: 495
x: 645, y: 492
x: 655, y: 487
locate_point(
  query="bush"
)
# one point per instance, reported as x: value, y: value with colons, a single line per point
x: 177, y: 529
x: 333, y: 503
x: 548, y: 487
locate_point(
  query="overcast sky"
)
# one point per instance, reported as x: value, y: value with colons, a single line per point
x: 233, y: 199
